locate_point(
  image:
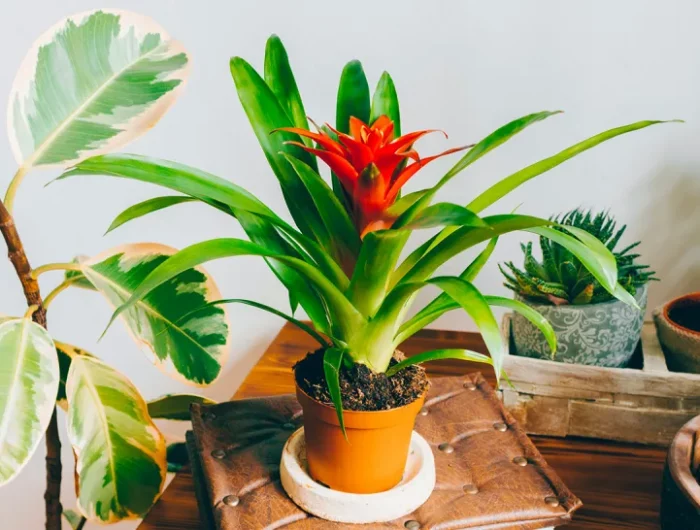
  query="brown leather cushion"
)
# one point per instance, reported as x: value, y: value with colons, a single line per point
x: 238, y: 446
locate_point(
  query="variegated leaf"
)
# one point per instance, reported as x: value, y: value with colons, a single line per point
x: 65, y: 353
x: 29, y: 377
x: 120, y: 454
x: 90, y: 84
x: 188, y: 341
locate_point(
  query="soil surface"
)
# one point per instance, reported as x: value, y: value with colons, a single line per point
x: 686, y: 314
x: 360, y: 387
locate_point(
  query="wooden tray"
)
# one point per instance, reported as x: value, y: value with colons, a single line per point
x: 645, y: 403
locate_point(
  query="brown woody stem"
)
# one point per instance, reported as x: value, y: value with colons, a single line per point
x: 30, y: 286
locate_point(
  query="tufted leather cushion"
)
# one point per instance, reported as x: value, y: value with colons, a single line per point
x: 482, y: 483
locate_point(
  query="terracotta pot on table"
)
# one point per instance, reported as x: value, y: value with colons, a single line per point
x: 373, y: 457
x: 678, y: 327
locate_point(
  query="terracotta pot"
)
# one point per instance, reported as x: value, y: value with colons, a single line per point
x: 373, y: 457
x: 678, y: 327
x: 680, y: 496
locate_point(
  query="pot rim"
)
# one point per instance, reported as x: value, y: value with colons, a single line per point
x: 571, y: 307
x: 694, y: 297
x: 359, y: 412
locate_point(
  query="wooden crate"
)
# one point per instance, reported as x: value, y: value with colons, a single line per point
x: 646, y: 405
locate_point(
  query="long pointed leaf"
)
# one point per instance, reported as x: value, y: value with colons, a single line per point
x: 385, y: 102
x: 445, y: 214
x: 443, y: 303
x: 508, y: 184
x: 298, y: 323
x: 379, y: 254
x: 266, y: 115
x: 146, y: 207
x: 332, y: 361
x: 539, y: 321
x: 344, y: 315
x: 434, y: 355
x: 332, y: 212
x: 280, y: 78
x: 353, y: 96
x: 493, y: 140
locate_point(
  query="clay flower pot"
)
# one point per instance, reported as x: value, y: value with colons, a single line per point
x: 678, y: 327
x: 373, y: 457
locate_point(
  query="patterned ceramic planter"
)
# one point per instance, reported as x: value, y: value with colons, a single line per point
x: 599, y: 334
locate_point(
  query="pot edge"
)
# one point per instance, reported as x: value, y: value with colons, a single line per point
x: 671, y: 303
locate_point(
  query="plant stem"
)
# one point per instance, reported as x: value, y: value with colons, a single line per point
x: 54, y: 267
x: 58, y: 290
x: 30, y: 286
x: 12, y: 188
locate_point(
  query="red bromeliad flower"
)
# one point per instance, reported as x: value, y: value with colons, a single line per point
x: 371, y: 165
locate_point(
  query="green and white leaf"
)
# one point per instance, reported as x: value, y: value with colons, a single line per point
x: 120, y: 454
x: 29, y: 376
x: 192, y: 349
x: 90, y: 84
x: 175, y: 406
x: 65, y: 352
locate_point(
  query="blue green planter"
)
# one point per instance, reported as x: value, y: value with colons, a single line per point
x: 597, y: 334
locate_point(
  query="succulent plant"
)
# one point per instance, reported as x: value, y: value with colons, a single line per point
x: 560, y: 278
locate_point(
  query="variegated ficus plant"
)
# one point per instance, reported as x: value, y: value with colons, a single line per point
x: 91, y: 84
x: 342, y: 260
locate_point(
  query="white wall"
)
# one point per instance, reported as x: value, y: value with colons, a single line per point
x: 465, y: 67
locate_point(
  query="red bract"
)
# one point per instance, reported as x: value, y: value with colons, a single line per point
x: 371, y: 165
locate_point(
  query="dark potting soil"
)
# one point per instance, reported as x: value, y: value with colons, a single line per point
x: 686, y: 315
x: 360, y: 387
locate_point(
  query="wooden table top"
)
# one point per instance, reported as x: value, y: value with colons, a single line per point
x: 619, y: 483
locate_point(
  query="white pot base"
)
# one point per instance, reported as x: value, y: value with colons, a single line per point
x: 414, y: 489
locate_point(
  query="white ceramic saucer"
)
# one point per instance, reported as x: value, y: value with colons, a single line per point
x: 414, y: 489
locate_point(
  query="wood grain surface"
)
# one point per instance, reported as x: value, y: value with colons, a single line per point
x: 619, y: 483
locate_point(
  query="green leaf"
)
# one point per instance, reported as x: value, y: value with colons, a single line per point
x: 353, y: 97
x: 464, y: 238
x: 213, y: 190
x: 177, y: 456
x: 445, y: 214
x: 385, y: 102
x: 476, y: 306
x: 596, y: 258
x: 332, y: 361
x: 65, y: 352
x: 434, y: 355
x: 332, y: 212
x: 192, y: 350
x: 493, y: 140
x: 344, y: 316
x: 508, y: 184
x: 175, y: 406
x: 539, y: 321
x: 185, y: 179
x: 29, y: 378
x: 443, y: 303
x: 263, y: 233
x: 120, y: 454
x: 73, y: 518
x: 266, y: 115
x: 91, y: 84
x: 298, y: 323
x: 280, y: 78
x: 146, y: 207
x: 379, y: 254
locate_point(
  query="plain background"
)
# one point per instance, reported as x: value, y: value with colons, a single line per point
x: 465, y: 67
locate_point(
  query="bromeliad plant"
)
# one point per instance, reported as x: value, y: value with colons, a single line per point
x: 560, y: 278
x: 90, y: 84
x: 342, y: 262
